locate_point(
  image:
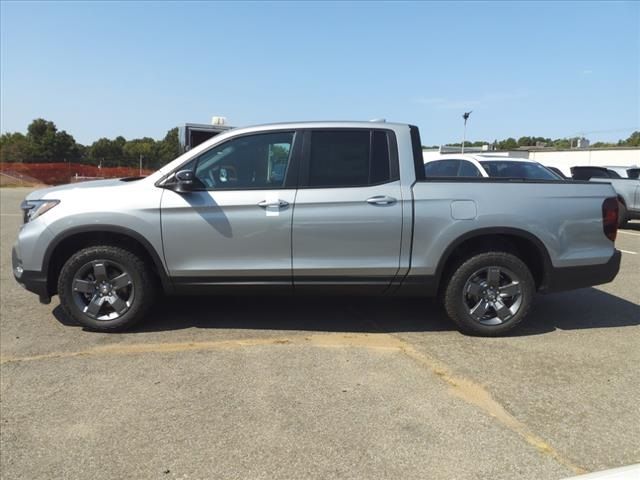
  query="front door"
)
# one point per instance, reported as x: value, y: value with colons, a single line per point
x: 235, y: 230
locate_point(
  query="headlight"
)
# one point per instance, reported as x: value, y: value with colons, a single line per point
x: 32, y: 209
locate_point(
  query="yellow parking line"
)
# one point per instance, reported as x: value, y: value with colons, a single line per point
x: 463, y: 388
x: 475, y: 394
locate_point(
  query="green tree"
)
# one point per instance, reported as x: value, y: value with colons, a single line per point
x: 508, y: 144
x: 41, y: 135
x: 525, y: 141
x: 563, y: 143
x: 106, y: 152
x: 602, y: 145
x: 47, y: 144
x: 167, y: 149
x: 14, y: 148
x: 134, y: 149
x: 632, y: 141
x: 468, y: 143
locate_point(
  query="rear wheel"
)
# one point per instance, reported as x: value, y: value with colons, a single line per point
x: 106, y: 288
x: 489, y: 293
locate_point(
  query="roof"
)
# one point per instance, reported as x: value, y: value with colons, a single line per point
x: 328, y: 124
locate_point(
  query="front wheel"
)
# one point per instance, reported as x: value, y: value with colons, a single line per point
x: 106, y: 288
x: 489, y: 293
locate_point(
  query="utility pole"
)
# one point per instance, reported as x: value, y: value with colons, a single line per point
x: 464, y: 134
x: 140, y: 164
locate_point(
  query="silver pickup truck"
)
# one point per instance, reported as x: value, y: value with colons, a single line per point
x: 325, y: 207
x: 627, y: 189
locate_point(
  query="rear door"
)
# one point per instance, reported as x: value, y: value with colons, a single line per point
x: 347, y: 219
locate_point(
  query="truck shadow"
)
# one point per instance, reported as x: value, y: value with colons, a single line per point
x: 580, y: 309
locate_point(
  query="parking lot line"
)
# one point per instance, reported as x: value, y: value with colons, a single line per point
x: 475, y: 394
x: 629, y: 233
x: 375, y: 341
x: 627, y: 251
x: 461, y: 387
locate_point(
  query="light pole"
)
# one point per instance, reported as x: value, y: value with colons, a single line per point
x: 464, y: 134
x: 140, y: 165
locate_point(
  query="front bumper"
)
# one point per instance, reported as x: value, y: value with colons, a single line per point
x: 33, y: 281
x: 570, y: 278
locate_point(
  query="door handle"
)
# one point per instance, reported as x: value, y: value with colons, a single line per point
x: 277, y: 203
x: 381, y: 200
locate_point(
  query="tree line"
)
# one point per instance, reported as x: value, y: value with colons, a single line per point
x: 44, y: 143
x: 562, y: 143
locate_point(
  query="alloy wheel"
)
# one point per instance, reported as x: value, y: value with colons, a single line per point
x: 492, y: 295
x: 103, y: 289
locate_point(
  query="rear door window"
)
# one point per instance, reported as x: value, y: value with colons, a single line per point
x: 348, y: 158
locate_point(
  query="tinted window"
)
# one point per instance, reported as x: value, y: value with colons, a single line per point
x: 633, y: 172
x: 348, y: 158
x: 379, y: 169
x: 524, y: 170
x: 416, y: 147
x: 252, y: 161
x: 442, y: 168
x: 585, y: 173
x: 468, y: 169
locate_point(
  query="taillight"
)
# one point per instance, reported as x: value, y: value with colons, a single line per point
x: 610, y: 218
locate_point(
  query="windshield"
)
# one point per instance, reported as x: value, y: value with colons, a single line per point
x: 525, y: 170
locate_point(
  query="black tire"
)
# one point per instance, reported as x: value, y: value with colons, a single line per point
x: 132, y: 300
x: 467, y: 292
x: 622, y: 215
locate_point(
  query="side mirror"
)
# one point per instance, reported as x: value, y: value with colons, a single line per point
x: 185, y: 181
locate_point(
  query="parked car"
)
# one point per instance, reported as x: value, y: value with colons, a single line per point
x: 557, y: 171
x: 469, y: 165
x: 589, y: 172
x: 627, y: 189
x: 353, y: 213
x: 625, y: 172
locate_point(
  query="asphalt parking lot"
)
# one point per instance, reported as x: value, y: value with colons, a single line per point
x: 265, y: 388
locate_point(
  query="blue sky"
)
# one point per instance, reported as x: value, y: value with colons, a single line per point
x: 138, y: 69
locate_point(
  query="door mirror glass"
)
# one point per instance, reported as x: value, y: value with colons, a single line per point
x: 185, y: 176
x: 184, y: 181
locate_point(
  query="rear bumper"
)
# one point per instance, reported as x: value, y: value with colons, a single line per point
x: 35, y: 282
x: 570, y: 278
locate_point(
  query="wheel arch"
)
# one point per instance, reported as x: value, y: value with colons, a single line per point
x: 529, y: 248
x: 68, y: 242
